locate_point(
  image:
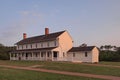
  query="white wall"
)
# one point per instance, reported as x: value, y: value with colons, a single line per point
x: 95, y: 55
x: 65, y: 44
x: 79, y: 57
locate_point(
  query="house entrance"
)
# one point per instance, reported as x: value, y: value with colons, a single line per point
x: 54, y: 54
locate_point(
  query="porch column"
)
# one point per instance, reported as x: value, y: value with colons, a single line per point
x: 10, y: 56
x: 46, y: 55
x: 32, y: 57
x: 23, y: 55
x: 40, y: 56
x: 26, y: 56
x: 17, y: 56
x: 52, y: 55
x: 20, y: 55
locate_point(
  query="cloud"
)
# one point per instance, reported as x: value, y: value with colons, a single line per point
x: 30, y: 14
x: 12, y: 32
x: 24, y: 12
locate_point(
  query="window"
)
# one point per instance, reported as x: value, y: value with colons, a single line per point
x: 55, y: 43
x: 36, y: 54
x: 73, y: 54
x: 22, y: 54
x: 12, y: 55
x: 26, y: 46
x: 55, y: 54
x: 18, y: 46
x: 41, y: 54
x: 41, y: 44
x: 36, y: 45
x: 30, y: 54
x: 31, y: 46
x: 15, y: 54
x: 63, y: 54
x: 48, y: 44
x: 22, y: 46
x: 48, y: 54
x: 86, y: 54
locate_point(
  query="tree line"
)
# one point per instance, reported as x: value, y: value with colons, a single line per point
x: 109, y: 53
x: 4, y: 51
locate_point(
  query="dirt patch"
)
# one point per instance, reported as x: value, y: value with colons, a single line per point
x: 36, y: 66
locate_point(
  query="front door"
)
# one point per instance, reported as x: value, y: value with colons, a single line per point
x: 26, y: 55
x: 55, y: 54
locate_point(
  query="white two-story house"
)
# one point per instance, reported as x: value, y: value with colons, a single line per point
x: 50, y: 46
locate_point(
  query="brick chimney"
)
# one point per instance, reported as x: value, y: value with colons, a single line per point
x: 46, y: 31
x: 24, y: 35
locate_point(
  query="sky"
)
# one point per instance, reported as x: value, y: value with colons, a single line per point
x: 94, y: 22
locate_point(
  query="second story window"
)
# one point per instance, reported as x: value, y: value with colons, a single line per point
x: 22, y: 46
x: 18, y: 46
x: 31, y: 46
x: 26, y: 46
x: 36, y: 45
x: 48, y: 44
x: 55, y: 43
x: 41, y: 44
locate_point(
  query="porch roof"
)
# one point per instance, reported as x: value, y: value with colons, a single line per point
x: 33, y: 50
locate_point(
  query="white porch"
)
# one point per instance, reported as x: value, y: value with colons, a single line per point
x: 40, y: 56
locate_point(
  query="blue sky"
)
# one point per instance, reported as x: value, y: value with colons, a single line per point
x: 94, y: 22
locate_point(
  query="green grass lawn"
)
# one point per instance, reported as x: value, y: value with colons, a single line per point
x: 111, y: 63
x: 67, y: 66
x: 14, y: 74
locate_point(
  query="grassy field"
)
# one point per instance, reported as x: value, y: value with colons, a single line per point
x: 14, y: 74
x: 67, y: 66
x: 111, y: 63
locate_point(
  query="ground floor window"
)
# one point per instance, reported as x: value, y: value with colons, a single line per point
x: 63, y: 54
x: 15, y: 54
x: 12, y: 55
x: 48, y: 54
x: 41, y: 54
x: 73, y: 54
x: 22, y: 54
x: 86, y: 54
x: 55, y: 54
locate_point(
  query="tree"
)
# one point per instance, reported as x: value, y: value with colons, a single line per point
x: 4, y: 51
x: 108, y: 47
x: 102, y: 47
x: 83, y: 45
